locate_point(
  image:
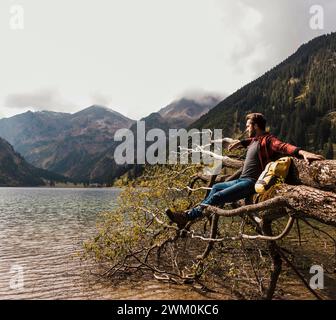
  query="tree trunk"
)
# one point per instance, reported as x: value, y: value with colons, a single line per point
x: 310, y: 202
x: 319, y: 174
x: 276, y: 261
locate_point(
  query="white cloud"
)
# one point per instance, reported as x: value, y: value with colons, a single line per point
x: 45, y: 99
x: 281, y: 28
x: 137, y: 56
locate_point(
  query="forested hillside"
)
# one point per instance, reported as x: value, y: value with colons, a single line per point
x: 16, y: 172
x: 298, y: 98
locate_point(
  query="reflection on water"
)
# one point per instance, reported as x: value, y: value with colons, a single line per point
x: 41, y: 230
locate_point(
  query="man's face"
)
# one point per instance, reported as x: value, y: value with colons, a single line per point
x: 250, y: 129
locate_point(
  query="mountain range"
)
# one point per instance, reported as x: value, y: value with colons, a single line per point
x: 81, y: 145
x: 61, y: 142
x: 179, y: 114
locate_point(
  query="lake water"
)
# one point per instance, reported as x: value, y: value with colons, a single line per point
x: 41, y: 230
x: 41, y: 233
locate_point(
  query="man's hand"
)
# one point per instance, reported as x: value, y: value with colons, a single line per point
x: 235, y: 145
x: 308, y: 156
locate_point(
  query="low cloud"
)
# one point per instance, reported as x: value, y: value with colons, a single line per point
x: 46, y: 99
x: 202, y: 95
x: 101, y: 99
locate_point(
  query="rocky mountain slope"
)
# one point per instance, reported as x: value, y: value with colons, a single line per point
x: 61, y: 142
x: 15, y: 171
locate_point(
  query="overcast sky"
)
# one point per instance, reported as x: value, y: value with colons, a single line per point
x: 137, y: 56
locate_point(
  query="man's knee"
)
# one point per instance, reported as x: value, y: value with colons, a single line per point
x: 220, y: 186
x: 215, y: 199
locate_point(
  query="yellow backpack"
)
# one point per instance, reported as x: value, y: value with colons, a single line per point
x: 274, y: 172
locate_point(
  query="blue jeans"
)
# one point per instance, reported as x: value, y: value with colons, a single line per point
x: 225, y: 192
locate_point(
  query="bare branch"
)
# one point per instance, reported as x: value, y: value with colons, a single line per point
x: 248, y: 237
x: 262, y: 206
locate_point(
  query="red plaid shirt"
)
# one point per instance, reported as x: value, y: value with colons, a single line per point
x: 271, y: 148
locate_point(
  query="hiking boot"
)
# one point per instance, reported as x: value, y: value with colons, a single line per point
x: 179, y: 217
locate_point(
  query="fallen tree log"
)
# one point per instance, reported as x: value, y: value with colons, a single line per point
x: 318, y: 174
x: 301, y: 201
x: 310, y: 192
x: 305, y: 201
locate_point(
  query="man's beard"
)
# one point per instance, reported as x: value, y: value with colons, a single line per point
x: 252, y: 133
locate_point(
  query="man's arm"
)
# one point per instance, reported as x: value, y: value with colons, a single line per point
x: 282, y: 147
x: 285, y: 148
x: 240, y: 144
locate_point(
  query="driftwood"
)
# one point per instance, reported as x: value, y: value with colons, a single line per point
x: 309, y: 192
x: 302, y: 201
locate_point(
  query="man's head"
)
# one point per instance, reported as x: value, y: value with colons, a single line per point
x: 255, y: 124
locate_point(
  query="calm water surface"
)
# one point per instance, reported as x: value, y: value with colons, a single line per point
x: 41, y: 233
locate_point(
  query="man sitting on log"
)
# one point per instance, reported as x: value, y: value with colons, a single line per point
x: 262, y: 147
